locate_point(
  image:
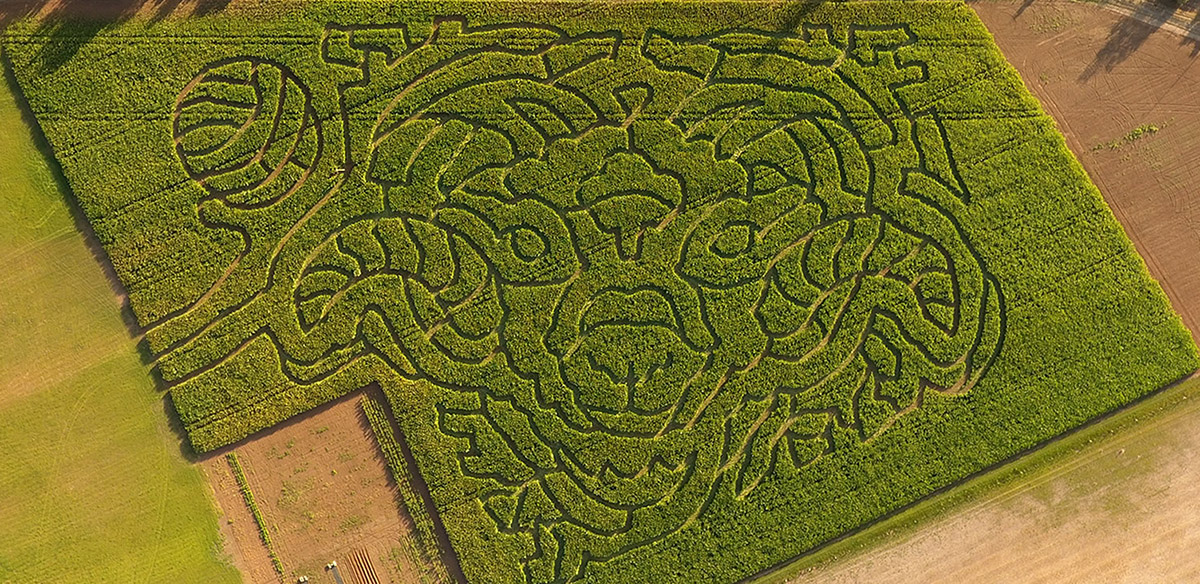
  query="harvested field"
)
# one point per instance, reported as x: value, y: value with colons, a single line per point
x: 1121, y: 505
x: 1103, y: 75
x: 325, y: 491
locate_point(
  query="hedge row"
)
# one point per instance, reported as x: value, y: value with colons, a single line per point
x: 413, y: 505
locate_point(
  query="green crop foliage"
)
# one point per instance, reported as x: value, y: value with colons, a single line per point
x: 239, y: 475
x: 644, y: 283
x: 411, y: 502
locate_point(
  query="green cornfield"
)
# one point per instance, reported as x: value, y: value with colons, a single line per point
x: 657, y: 292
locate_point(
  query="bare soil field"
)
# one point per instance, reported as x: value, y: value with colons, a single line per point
x: 242, y: 543
x: 326, y: 493
x: 110, y: 9
x: 1103, y: 75
x: 1125, y: 509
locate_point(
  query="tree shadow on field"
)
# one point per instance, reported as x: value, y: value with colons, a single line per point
x: 70, y: 24
x: 1193, y: 27
x: 1132, y: 30
x: 67, y: 26
x: 1125, y: 37
x: 1025, y: 4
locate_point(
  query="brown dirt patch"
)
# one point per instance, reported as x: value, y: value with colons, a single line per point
x: 238, y: 530
x: 326, y: 493
x: 1102, y: 75
x: 108, y: 9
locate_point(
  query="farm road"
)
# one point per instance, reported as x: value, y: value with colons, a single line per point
x: 107, y: 9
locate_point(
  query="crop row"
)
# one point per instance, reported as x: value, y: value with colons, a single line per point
x: 639, y: 289
x: 239, y: 475
x: 413, y: 504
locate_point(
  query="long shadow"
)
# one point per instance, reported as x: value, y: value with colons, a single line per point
x: 1129, y: 33
x: 70, y: 24
x: 1193, y: 27
x: 1125, y: 37
x: 108, y: 10
x: 84, y: 227
x: 1025, y: 4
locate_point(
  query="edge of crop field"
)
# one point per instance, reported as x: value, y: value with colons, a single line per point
x: 427, y: 545
x: 1025, y: 469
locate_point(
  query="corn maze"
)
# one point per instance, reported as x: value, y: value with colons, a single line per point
x: 661, y: 292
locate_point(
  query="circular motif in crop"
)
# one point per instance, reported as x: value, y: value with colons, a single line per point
x: 637, y: 277
x: 246, y: 131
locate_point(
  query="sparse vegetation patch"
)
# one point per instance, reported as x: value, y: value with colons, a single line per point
x: 248, y: 496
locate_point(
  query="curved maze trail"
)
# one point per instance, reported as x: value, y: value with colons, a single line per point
x: 636, y: 270
x: 639, y: 289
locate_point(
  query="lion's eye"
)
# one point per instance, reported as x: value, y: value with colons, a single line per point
x: 528, y: 244
x: 735, y: 240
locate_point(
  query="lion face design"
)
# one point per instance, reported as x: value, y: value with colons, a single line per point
x: 637, y: 274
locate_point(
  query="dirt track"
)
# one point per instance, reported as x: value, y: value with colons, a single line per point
x: 326, y: 493
x: 1126, y: 510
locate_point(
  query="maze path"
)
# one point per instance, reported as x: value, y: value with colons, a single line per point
x: 637, y: 288
x: 744, y: 243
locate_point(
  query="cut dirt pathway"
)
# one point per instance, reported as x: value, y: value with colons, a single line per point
x: 1126, y: 509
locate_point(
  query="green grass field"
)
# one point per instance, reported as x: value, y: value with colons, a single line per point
x: 640, y: 289
x: 93, y: 487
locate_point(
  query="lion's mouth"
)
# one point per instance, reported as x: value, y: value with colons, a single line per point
x: 631, y: 359
x: 639, y: 307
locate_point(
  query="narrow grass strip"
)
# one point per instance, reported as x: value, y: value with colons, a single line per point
x: 248, y: 497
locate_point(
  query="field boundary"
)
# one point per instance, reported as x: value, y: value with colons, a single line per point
x: 248, y: 496
x: 433, y: 550
x: 433, y: 546
x: 1036, y: 461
